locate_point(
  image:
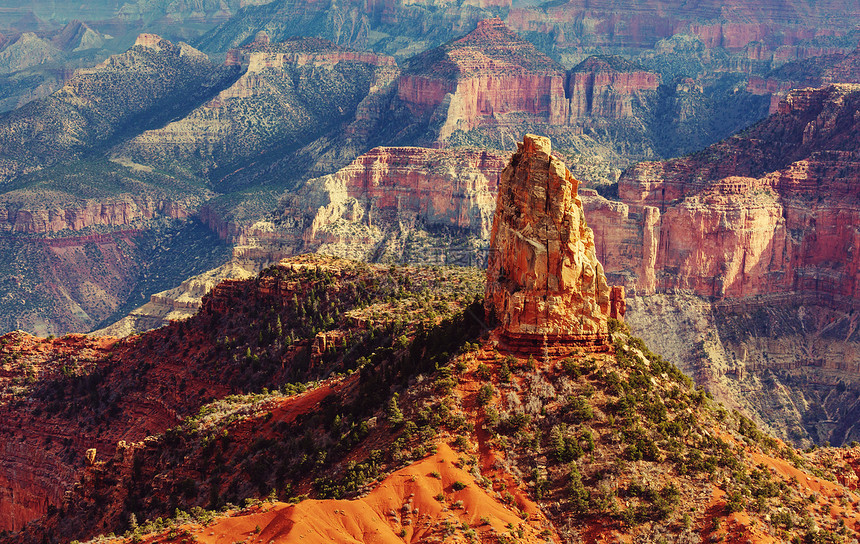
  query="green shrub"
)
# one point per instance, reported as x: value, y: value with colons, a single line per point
x: 485, y: 394
x: 577, y: 494
x: 505, y: 372
x: 571, y: 368
x: 395, y: 416
x: 580, y: 408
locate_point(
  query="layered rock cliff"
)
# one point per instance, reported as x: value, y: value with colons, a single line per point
x: 492, y: 78
x: 490, y: 73
x: 768, y: 219
x: 774, y: 29
x: 543, y: 277
x: 606, y: 86
x: 54, y: 213
x: 390, y: 193
x: 812, y: 72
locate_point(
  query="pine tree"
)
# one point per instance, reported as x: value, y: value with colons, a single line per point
x: 395, y: 416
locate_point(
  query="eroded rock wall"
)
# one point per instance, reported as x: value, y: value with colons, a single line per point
x: 389, y: 192
x: 49, y: 217
x: 749, y: 217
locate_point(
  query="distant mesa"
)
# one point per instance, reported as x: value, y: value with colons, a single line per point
x: 151, y: 41
x: 493, y: 77
x: 543, y: 279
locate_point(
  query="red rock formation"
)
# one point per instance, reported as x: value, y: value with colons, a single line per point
x: 605, y: 87
x: 819, y: 71
x: 492, y: 77
x: 769, y: 212
x: 490, y: 73
x: 581, y: 25
x: 391, y: 188
x: 46, y: 217
x: 443, y: 187
x: 626, y: 239
x: 543, y: 278
x: 743, y: 218
x: 34, y: 470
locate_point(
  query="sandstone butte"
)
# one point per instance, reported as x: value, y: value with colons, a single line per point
x: 543, y: 276
x: 492, y: 74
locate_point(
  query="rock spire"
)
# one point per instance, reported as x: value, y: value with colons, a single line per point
x: 544, y: 279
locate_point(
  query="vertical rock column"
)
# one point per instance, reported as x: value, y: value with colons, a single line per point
x: 544, y: 278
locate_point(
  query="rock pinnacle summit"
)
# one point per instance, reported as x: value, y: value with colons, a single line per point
x: 543, y: 278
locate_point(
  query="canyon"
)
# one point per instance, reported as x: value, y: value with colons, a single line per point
x: 737, y: 260
x: 247, y: 134
x: 772, y: 228
x: 776, y: 31
x: 250, y: 149
x: 181, y: 421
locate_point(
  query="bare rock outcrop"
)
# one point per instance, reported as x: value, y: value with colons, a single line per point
x: 818, y: 71
x: 22, y: 214
x: 543, y: 278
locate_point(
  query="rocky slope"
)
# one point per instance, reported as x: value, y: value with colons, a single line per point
x: 80, y: 281
x: 35, y: 64
x: 409, y: 418
x: 391, y: 202
x: 768, y: 31
x: 773, y: 242
x: 181, y: 302
x: 276, y: 114
x: 101, y: 391
x: 289, y: 94
x: 772, y: 226
x: 717, y: 50
x: 66, y: 177
x: 774, y: 216
x: 78, y: 228
x: 107, y: 102
x: 397, y: 29
x: 410, y: 205
x: 489, y: 87
x: 815, y: 72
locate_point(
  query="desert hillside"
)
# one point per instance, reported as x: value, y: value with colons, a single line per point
x: 328, y: 399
